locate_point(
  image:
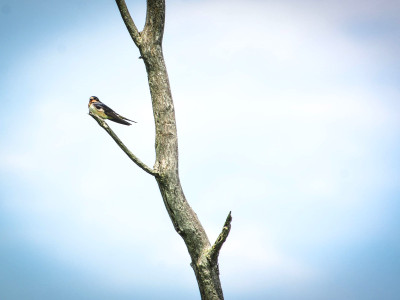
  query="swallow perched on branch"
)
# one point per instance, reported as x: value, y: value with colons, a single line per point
x: 98, y: 108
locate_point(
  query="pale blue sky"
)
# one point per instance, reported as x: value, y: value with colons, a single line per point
x: 288, y: 115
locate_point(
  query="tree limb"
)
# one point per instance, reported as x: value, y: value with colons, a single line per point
x: 136, y: 160
x: 214, y: 251
x: 155, y: 20
x: 186, y: 223
x: 130, y: 25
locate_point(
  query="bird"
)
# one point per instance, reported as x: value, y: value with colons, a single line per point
x: 103, y: 111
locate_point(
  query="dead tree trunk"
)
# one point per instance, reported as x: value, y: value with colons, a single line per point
x: 204, y: 256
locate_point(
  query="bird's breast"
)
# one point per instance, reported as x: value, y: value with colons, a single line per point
x: 98, y: 112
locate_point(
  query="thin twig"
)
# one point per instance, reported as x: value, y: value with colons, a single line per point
x: 130, y: 25
x: 214, y: 251
x: 136, y: 160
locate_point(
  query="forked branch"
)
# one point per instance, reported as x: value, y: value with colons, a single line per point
x: 130, y: 25
x: 133, y: 157
x: 204, y: 256
x: 214, y: 251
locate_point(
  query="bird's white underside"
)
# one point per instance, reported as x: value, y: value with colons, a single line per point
x: 98, y: 112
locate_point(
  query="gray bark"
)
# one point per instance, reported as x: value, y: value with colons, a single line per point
x: 204, y: 257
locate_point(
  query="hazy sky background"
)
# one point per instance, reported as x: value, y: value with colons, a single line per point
x: 287, y: 113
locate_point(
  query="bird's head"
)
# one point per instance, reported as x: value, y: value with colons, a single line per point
x: 93, y: 99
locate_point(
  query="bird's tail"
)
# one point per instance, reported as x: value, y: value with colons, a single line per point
x: 121, y: 121
x: 128, y: 120
x: 122, y: 117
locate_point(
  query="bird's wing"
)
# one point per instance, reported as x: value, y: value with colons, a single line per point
x: 109, y: 112
x: 104, y: 108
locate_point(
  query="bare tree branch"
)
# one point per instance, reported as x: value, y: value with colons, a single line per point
x: 136, y: 160
x: 214, y: 251
x: 155, y: 20
x: 130, y: 25
x: 204, y: 256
